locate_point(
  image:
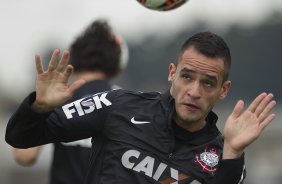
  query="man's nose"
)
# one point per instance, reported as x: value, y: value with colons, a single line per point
x: 194, y: 90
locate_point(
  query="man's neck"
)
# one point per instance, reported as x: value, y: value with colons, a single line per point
x: 90, y: 76
x: 190, y: 126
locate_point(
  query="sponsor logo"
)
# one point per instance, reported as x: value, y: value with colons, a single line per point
x: 86, y: 105
x: 208, y: 160
x: 151, y: 168
x: 138, y: 122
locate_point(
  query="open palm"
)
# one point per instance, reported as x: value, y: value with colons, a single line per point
x: 243, y: 128
x: 52, y: 89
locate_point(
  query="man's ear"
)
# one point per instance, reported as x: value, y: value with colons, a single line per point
x: 224, y: 89
x: 171, y: 72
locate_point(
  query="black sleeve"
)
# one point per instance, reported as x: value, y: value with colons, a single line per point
x: 76, y: 120
x: 230, y: 171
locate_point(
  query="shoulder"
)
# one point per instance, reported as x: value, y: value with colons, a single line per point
x: 137, y: 94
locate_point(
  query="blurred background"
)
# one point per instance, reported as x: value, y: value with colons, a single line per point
x: 252, y: 29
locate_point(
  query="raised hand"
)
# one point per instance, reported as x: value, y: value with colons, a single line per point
x: 241, y: 129
x: 52, y: 89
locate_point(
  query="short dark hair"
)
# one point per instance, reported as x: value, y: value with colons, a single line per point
x: 96, y: 49
x: 212, y: 46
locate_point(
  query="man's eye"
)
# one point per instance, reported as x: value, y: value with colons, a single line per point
x: 185, y: 76
x: 209, y: 83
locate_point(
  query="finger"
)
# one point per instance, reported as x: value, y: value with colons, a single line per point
x: 54, y: 59
x: 64, y: 61
x: 267, y: 121
x: 266, y: 110
x: 238, y: 109
x: 263, y: 104
x: 38, y: 64
x: 256, y: 102
x: 68, y: 71
x: 77, y: 84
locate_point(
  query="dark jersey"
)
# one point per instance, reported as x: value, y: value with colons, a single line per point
x: 139, y: 141
x: 70, y: 160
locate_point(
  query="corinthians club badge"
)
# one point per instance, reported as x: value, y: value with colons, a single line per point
x: 208, y: 160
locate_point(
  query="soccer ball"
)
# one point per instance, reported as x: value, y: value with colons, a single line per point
x: 162, y: 5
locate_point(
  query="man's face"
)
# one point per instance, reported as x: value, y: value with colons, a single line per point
x: 197, y: 83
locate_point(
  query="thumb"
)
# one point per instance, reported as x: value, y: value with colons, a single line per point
x: 77, y: 84
x: 238, y: 109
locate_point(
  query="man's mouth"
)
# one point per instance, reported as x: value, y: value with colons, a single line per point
x: 191, y: 107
